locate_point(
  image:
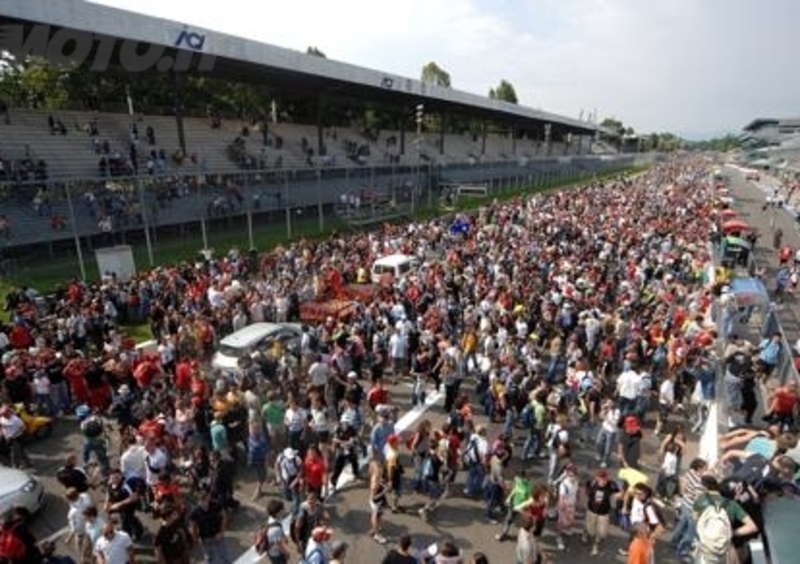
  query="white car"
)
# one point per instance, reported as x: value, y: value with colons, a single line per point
x: 254, y: 337
x: 19, y: 489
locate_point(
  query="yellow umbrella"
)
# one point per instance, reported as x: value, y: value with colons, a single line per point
x: 632, y: 476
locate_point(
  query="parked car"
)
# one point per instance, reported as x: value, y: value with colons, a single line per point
x: 255, y: 337
x: 19, y: 489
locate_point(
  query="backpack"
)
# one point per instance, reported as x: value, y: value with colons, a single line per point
x: 428, y: 469
x: 554, y: 438
x: 470, y: 456
x: 11, y: 546
x: 657, y: 512
x: 262, y: 537
x: 307, y: 557
x: 714, y: 530
x: 290, y: 467
x: 300, y: 528
x: 313, y: 341
x: 92, y: 428
x: 527, y: 419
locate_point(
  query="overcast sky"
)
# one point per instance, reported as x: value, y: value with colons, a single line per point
x: 696, y: 67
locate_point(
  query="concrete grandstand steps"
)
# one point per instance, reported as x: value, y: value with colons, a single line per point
x: 67, y: 155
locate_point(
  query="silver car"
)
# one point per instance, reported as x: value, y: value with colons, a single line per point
x: 19, y: 489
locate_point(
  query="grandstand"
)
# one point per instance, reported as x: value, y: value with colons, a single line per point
x: 207, y: 166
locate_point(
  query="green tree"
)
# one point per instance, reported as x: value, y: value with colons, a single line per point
x: 434, y: 74
x: 505, y: 92
x: 614, y: 125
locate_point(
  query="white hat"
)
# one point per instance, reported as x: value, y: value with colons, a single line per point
x: 352, y: 375
x: 289, y: 452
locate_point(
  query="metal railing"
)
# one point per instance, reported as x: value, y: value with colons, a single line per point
x: 169, y: 215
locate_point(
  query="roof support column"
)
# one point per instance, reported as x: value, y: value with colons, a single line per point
x: 483, y: 137
x: 442, y: 126
x: 177, y: 98
x: 322, y: 100
x: 548, y: 137
x: 513, y: 140
x: 402, y: 128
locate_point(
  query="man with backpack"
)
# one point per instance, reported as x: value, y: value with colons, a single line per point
x: 271, y: 539
x: 94, y: 441
x: 288, y: 468
x: 718, y: 521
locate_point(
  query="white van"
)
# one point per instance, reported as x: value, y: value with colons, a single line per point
x: 397, y: 265
x: 246, y: 341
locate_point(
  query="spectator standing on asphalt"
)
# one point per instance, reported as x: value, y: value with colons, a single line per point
x: 683, y: 533
x: 401, y: 554
x: 526, y: 544
x: 601, y: 494
x: 114, y: 546
x: 173, y: 541
x: 338, y: 552
x: 271, y: 539
x: 378, y: 498
x: 78, y: 502
x: 630, y: 444
x: 209, y: 521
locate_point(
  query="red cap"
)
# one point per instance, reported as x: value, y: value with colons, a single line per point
x: 632, y: 425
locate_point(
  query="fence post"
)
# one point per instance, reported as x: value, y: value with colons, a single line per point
x: 145, y: 221
x: 319, y: 201
x: 75, y: 235
x: 287, y: 206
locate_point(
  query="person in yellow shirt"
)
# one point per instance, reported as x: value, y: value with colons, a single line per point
x: 469, y: 344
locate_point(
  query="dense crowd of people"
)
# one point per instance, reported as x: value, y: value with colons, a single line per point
x: 558, y: 321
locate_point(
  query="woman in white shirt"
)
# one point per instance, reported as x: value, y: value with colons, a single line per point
x: 76, y: 521
x: 568, y: 487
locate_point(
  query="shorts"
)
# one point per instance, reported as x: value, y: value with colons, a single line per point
x: 596, y: 525
x: 375, y: 508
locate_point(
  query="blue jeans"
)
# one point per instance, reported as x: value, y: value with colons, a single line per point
x: 532, y: 445
x: 216, y: 551
x: 475, y: 477
x: 97, y: 447
x: 627, y: 406
x: 60, y: 396
x: 508, y: 424
x: 605, y: 444
x: 683, y: 534
x: 292, y: 496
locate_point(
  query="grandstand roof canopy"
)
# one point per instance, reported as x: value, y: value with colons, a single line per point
x: 758, y: 123
x: 245, y: 60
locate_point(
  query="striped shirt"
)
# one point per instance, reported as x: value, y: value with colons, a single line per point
x: 692, y: 488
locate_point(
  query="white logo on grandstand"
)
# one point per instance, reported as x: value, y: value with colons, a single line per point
x: 63, y: 46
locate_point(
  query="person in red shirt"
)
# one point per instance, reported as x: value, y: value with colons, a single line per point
x: 74, y: 373
x: 198, y: 389
x: 20, y: 337
x: 183, y: 375
x: 377, y: 395
x: 782, y: 405
x: 145, y: 372
x: 315, y: 471
x: 785, y: 255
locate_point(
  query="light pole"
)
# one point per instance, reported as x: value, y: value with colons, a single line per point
x: 420, y: 114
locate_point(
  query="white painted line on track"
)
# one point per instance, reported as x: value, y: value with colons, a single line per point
x: 402, y: 425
